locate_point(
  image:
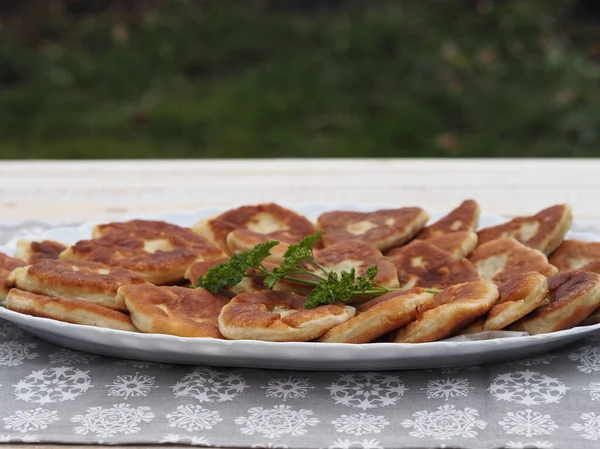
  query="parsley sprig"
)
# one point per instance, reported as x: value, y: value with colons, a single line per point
x: 299, y: 265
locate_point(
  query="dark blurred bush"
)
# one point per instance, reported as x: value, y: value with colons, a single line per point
x: 281, y: 78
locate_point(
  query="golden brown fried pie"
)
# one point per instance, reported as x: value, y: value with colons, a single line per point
x: 457, y: 244
x: 68, y: 310
x: 173, y: 310
x: 243, y: 239
x: 543, y: 231
x: 498, y: 260
x: 7, y: 265
x: 457, y: 307
x: 248, y: 284
x: 573, y: 296
x: 158, y: 251
x: 464, y: 218
x: 575, y: 254
x: 420, y: 264
x: 381, y: 315
x: 270, y: 219
x: 278, y: 316
x: 520, y: 295
x: 382, y: 229
x: 92, y: 282
x: 32, y: 252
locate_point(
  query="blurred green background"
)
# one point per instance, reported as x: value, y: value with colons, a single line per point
x: 297, y: 78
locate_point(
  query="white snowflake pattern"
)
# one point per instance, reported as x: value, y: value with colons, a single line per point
x: 19, y: 438
x: 141, y: 364
x: 594, y: 390
x: 9, y: 330
x: 367, y: 390
x: 545, y: 359
x: 447, y: 388
x: 458, y: 369
x: 527, y: 388
x: 527, y: 423
x: 48, y: 385
x: 106, y: 422
x: 588, y: 358
x: 134, y: 385
x: 277, y: 421
x: 192, y: 441
x: 445, y: 423
x: 590, y: 428
x: 28, y: 420
x: 14, y: 353
x: 70, y: 357
x: 209, y: 385
x: 361, y: 424
x: 348, y: 444
x: 269, y: 446
x: 287, y: 387
x: 532, y: 445
x: 193, y: 417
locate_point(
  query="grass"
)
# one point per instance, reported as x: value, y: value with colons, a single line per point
x: 238, y: 79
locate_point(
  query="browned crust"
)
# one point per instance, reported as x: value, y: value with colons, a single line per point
x: 173, y: 310
x: 382, y: 233
x: 255, y: 315
x: 464, y: 218
x: 458, y: 306
x: 420, y: 264
x: 7, y: 265
x: 573, y: 296
x: 575, y: 254
x: 32, y: 252
x: 67, y: 310
x: 498, y: 260
x: 552, y: 225
x: 294, y: 226
x: 242, y: 239
x: 381, y: 315
x: 458, y: 244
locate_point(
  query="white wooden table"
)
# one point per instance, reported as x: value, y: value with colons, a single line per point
x: 68, y: 192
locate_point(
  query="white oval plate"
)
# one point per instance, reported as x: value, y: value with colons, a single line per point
x: 298, y: 356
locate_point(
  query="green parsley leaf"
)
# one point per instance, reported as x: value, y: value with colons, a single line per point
x: 230, y: 273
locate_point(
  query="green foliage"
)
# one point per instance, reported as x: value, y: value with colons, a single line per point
x: 240, y: 79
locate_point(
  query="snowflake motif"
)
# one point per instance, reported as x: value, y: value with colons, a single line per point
x: 106, y: 422
x: 192, y: 441
x: 535, y: 361
x: 445, y: 423
x: 594, y: 390
x: 70, y: 357
x: 209, y: 385
x: 9, y: 330
x: 139, y: 364
x: 269, y: 446
x: 13, y: 353
x: 19, y: 439
x: 367, y: 390
x: 28, y: 420
x: 277, y: 421
x: 528, y: 423
x: 287, y: 387
x: 193, y: 417
x: 447, y: 388
x: 48, y: 385
x: 134, y: 385
x: 588, y: 358
x: 458, y: 369
x: 532, y: 445
x: 347, y: 444
x: 590, y: 429
x: 361, y: 424
x: 527, y: 388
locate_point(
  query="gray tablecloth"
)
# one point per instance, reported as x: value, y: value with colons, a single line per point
x: 52, y: 394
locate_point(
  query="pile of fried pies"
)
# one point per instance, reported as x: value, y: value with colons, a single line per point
x: 521, y: 275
